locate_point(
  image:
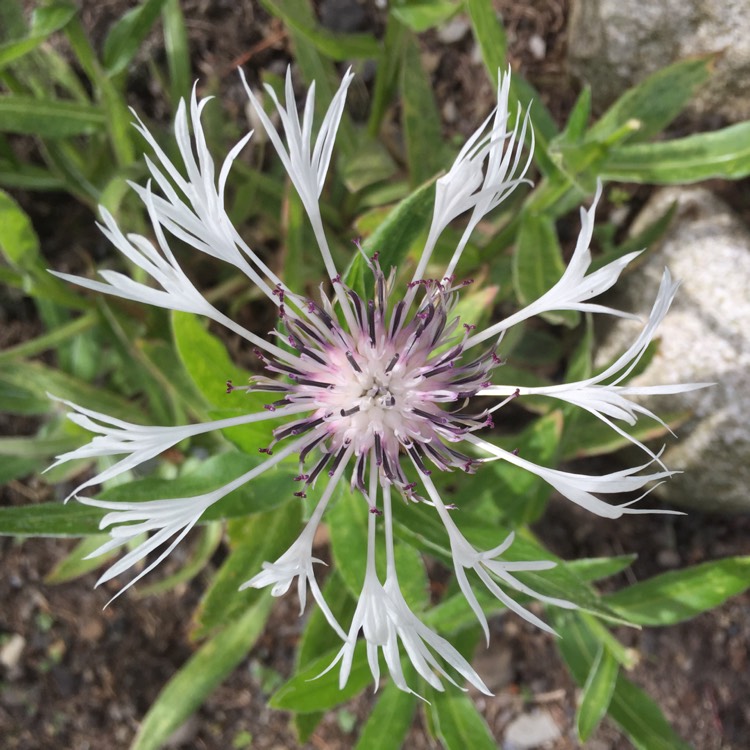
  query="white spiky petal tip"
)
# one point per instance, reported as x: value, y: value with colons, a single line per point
x: 376, y: 392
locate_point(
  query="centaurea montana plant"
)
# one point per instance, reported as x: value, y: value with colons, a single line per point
x: 377, y: 391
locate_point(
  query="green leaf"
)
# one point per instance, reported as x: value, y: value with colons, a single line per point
x: 253, y: 541
x: 656, y: 101
x: 12, y: 22
x: 75, y: 564
x: 723, y: 154
x: 420, y: 118
x: 421, y: 15
x: 457, y: 722
x: 309, y: 690
x: 28, y: 177
x: 19, y: 467
x: 24, y: 387
x: 538, y: 264
x: 682, y: 594
x: 50, y: 519
x: 580, y: 366
x: 623, y: 655
x: 387, y: 76
x: 489, y: 33
x: 475, y: 305
x: 642, y: 720
x: 204, y: 671
x: 209, y: 366
x: 176, y: 48
x: 44, y: 21
x: 638, y: 715
x: 36, y: 447
x: 453, y: 614
x: 596, y: 568
x: 597, y: 693
x: 347, y: 523
x: 126, y: 36
x: 389, y: 721
x: 578, y: 120
x: 299, y: 263
x: 49, y: 118
x: 394, y: 237
x: 18, y: 240
x: 206, y: 360
x: 210, y: 535
x: 369, y: 164
x: 519, y: 495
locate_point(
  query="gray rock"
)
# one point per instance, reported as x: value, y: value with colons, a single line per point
x: 613, y: 44
x: 530, y: 731
x: 343, y: 16
x: 10, y: 653
x: 704, y: 338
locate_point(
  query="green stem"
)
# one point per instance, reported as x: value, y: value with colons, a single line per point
x: 50, y: 340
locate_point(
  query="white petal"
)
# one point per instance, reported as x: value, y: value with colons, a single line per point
x: 574, y: 288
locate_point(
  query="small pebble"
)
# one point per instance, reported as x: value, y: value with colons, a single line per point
x: 10, y: 653
x: 537, y: 47
x: 668, y: 558
x: 453, y: 31
x: 531, y: 730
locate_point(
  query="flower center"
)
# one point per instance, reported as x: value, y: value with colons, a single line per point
x: 378, y: 395
x: 376, y: 390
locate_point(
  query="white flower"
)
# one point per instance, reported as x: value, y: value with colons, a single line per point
x: 580, y: 488
x: 297, y: 562
x: 367, y: 383
x: 305, y: 163
x: 139, y: 443
x: 483, y: 175
x: 384, y: 618
x: 167, y: 518
x: 575, y: 287
x: 483, y: 563
x: 609, y: 401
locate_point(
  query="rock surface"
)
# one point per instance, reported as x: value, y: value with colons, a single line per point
x: 705, y: 337
x: 614, y: 44
x: 530, y: 731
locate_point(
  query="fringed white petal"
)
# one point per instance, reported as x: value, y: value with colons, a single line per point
x: 305, y: 163
x: 385, y: 619
x: 610, y: 401
x: 168, y: 518
x: 198, y: 217
x: 580, y: 488
x: 485, y: 172
x: 297, y: 561
x: 575, y: 288
x: 140, y: 443
x: 466, y: 557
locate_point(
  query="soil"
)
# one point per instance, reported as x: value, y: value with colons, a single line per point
x: 75, y: 675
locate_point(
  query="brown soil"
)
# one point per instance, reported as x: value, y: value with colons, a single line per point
x: 81, y: 677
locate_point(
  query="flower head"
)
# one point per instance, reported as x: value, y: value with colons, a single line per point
x: 376, y: 390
